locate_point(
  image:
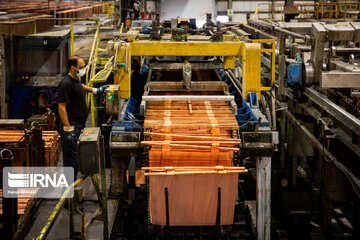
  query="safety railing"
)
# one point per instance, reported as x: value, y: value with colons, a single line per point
x: 272, y: 52
x: 348, y: 10
x: 320, y: 10
x: 100, y: 214
x: 59, y: 206
x: 100, y: 77
x: 90, y: 77
x: 306, y: 10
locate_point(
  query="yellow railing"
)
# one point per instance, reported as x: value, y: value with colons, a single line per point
x: 91, y: 65
x: 100, y: 77
x: 320, y: 10
x: 272, y: 52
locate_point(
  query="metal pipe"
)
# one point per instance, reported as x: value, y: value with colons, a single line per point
x: 344, y: 50
x: 275, y: 28
x: 289, y: 32
x: 336, y: 49
x: 149, y: 76
x: 233, y: 82
x: 237, y: 81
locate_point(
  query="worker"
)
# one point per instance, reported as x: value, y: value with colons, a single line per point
x: 73, y: 110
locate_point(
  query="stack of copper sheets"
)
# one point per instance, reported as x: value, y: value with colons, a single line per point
x: 190, y: 158
x: 52, y: 147
x: 51, y: 144
x: 196, y: 133
x: 21, y: 206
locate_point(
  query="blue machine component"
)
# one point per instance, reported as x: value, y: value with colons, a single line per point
x: 146, y: 30
x: 126, y: 126
x: 130, y: 109
x: 253, y: 100
x: 247, y: 113
x: 128, y: 129
x: 144, y: 70
x: 294, y: 72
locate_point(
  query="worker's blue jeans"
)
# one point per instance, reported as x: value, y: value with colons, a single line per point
x: 69, y: 147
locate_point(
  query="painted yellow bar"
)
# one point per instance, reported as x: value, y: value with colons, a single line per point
x: 265, y: 88
x: 251, y: 69
x: 162, y: 48
x: 122, y: 74
x: 72, y: 37
x: 272, y: 51
x: 267, y: 50
x: 229, y: 62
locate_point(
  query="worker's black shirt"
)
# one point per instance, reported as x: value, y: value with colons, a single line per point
x: 71, y: 92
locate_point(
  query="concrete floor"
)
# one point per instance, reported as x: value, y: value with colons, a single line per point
x: 60, y: 230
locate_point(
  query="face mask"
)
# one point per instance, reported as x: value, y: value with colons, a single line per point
x: 81, y: 72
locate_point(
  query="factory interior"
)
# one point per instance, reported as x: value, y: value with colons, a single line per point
x: 180, y: 119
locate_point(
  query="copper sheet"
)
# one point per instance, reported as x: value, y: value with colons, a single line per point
x: 190, y: 118
x: 193, y: 199
x: 191, y: 134
x: 21, y: 205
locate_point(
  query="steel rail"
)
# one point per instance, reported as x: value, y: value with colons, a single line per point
x: 59, y: 206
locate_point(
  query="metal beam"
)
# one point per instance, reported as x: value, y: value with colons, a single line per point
x: 179, y: 65
x: 195, y: 86
x: 187, y: 98
x: 348, y: 120
x: 343, y: 66
x: 161, y: 48
x: 256, y: 33
x: 338, y: 79
x: 317, y: 49
x: 263, y: 198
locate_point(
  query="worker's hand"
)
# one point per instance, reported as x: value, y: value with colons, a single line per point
x: 101, y: 89
x: 69, y: 134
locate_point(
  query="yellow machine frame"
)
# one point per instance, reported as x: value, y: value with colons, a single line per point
x: 250, y: 54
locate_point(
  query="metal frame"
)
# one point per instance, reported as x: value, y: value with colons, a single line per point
x: 250, y: 53
x: 3, y: 79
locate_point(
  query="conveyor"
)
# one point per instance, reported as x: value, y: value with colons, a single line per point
x: 195, y: 122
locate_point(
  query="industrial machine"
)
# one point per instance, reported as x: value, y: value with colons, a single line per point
x: 179, y: 118
x: 317, y: 94
x: 225, y: 131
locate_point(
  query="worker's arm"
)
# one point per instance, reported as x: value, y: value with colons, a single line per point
x: 96, y: 91
x: 63, y: 114
x: 87, y: 88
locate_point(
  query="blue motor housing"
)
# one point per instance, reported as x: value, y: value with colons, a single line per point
x: 294, y: 72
